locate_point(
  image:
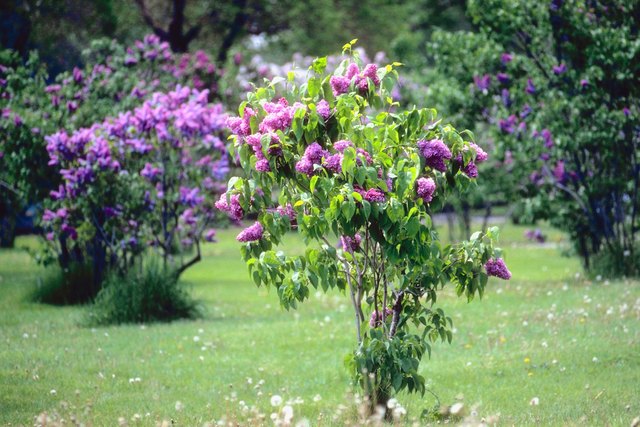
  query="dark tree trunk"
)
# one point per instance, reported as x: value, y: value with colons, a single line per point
x: 7, y: 231
x: 465, y: 220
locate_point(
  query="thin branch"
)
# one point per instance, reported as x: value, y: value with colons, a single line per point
x: 10, y: 188
x: 191, y: 262
x: 238, y: 23
x: 149, y: 20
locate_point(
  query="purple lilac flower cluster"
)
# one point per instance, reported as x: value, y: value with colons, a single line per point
x: 535, y: 235
x: 435, y: 153
x: 232, y: 206
x: 471, y: 169
x: 425, y: 188
x: 497, y: 268
x: 279, y: 116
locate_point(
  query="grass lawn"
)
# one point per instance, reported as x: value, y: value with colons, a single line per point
x: 549, y: 334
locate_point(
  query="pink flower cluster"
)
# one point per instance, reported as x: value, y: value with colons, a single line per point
x: 251, y: 233
x: 232, y: 206
x: 360, y: 80
x: 313, y: 156
x: 150, y: 48
x: 279, y: 116
x: 377, y: 317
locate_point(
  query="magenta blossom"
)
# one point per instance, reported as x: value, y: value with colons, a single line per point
x: 482, y: 82
x: 530, y: 89
x: 497, y: 268
x: 559, y: 69
x: 251, y: 233
x: 506, y: 58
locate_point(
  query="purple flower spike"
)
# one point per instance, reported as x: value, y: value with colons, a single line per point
x: 350, y: 244
x: 482, y: 82
x: 497, y: 268
x: 210, y: 235
x: 471, y: 170
x: 503, y: 78
x: 251, y: 233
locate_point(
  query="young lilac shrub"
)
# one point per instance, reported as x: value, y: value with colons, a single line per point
x: 336, y: 160
x: 144, y: 179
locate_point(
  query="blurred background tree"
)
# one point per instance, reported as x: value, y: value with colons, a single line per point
x: 61, y: 29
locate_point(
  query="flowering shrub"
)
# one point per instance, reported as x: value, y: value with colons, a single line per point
x: 552, y: 85
x: 146, y: 178
x: 358, y: 182
x: 114, y: 79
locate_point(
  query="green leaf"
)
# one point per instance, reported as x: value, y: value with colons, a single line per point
x: 348, y: 209
x: 312, y: 183
x: 395, y: 210
x: 319, y: 65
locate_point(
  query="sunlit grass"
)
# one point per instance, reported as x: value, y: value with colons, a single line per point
x: 547, y: 334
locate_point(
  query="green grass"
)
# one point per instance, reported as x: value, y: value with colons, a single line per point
x: 572, y: 343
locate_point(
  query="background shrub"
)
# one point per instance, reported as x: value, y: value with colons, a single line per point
x: 151, y: 294
x: 71, y: 285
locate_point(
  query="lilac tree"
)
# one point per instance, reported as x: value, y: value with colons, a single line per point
x: 358, y: 179
x: 144, y: 179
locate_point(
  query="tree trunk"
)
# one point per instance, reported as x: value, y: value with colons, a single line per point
x: 7, y: 231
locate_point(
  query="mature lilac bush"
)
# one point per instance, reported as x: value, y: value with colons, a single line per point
x: 144, y: 179
x: 554, y: 86
x: 337, y: 161
x: 113, y: 79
